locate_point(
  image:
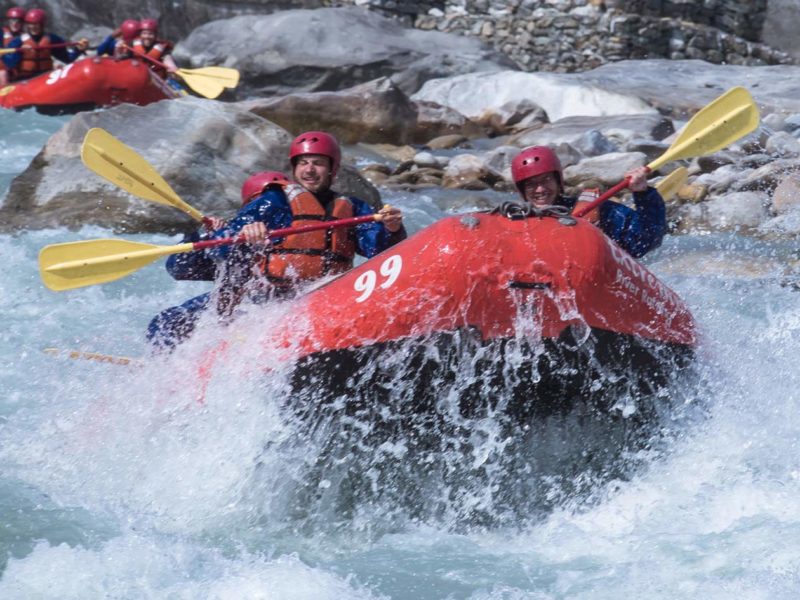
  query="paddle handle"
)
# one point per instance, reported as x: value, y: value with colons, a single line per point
x: 276, y: 233
x: 583, y: 210
x: 96, y: 356
x: 64, y: 45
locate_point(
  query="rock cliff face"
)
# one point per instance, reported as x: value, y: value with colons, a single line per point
x: 178, y: 17
x: 539, y: 35
x: 577, y: 35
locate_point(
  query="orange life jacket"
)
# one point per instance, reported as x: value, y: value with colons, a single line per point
x: 158, y: 51
x: 308, y: 256
x: 36, y: 56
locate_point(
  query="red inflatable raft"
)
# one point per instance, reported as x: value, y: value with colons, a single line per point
x: 528, y: 314
x: 87, y: 84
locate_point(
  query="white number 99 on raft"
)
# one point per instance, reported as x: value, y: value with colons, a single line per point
x: 58, y: 74
x: 390, y: 270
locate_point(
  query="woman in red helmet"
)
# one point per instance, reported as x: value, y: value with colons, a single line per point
x: 119, y: 43
x: 148, y: 44
x: 174, y: 324
x: 197, y: 266
x: 15, y: 17
x: 537, y: 173
x: 36, y: 53
x: 257, y: 184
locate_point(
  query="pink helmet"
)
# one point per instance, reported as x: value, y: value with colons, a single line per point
x: 256, y: 183
x: 129, y: 30
x: 149, y: 25
x: 15, y: 12
x: 533, y: 161
x: 36, y: 15
x: 317, y: 142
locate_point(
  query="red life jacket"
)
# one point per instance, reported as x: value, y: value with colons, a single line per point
x: 309, y: 256
x: 36, y: 56
x: 158, y: 51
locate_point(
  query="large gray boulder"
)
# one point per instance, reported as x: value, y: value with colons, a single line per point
x: 559, y: 94
x: 203, y: 149
x: 617, y: 130
x: 675, y: 88
x: 330, y: 49
x: 679, y: 88
x: 375, y: 112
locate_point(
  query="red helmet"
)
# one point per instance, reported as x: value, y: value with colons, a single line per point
x: 256, y: 183
x: 129, y: 30
x: 15, y: 12
x: 36, y: 15
x: 317, y: 142
x: 149, y: 25
x: 533, y: 161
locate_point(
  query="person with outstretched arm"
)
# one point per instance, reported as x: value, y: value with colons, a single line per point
x: 264, y: 269
x: 37, y: 48
x: 118, y: 44
x: 537, y: 173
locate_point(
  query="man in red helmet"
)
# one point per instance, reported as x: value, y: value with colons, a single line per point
x: 37, y: 48
x: 264, y: 269
x: 315, y: 157
x: 537, y: 173
x: 149, y: 45
x: 12, y: 30
x: 119, y: 43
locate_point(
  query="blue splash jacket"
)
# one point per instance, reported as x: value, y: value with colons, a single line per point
x: 636, y: 230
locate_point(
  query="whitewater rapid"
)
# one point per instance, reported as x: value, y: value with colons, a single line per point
x: 141, y: 481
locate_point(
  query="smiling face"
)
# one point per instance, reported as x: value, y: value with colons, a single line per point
x: 14, y: 25
x: 148, y: 37
x: 313, y: 172
x: 34, y: 29
x: 541, y: 190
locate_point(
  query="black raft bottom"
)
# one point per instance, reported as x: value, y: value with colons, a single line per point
x: 459, y: 377
x: 452, y: 428
x: 56, y: 110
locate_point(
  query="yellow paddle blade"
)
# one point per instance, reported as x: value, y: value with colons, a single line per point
x: 121, y: 165
x: 225, y: 76
x: 4, y: 51
x: 727, y: 119
x: 670, y: 184
x: 78, y: 264
x: 205, y: 86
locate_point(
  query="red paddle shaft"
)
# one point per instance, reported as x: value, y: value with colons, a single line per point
x: 276, y: 233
